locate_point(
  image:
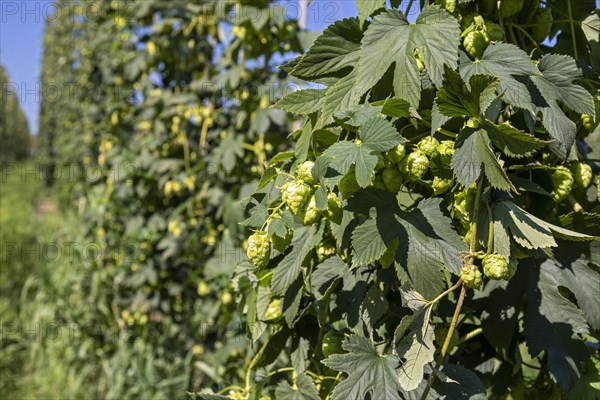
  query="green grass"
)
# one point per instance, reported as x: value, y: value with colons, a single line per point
x: 34, y: 279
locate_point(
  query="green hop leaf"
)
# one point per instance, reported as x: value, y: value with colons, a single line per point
x: 582, y: 174
x: 258, y: 249
x: 392, y: 179
x: 368, y: 371
x: 493, y: 32
x: 295, y: 194
x: 392, y: 39
x: 397, y: 153
x: 417, y: 164
x: 304, y: 172
x: 281, y: 243
x: 495, y: 266
x: 475, y: 44
x: 508, y: 8
x: 471, y: 276
x: 441, y: 185
x: 310, y: 213
x: 562, y: 181
x: 348, y: 184
x: 543, y: 24
x: 427, y: 145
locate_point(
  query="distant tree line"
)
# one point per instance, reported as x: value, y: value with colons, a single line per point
x: 15, y: 138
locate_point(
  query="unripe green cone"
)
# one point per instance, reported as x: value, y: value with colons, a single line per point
x: 463, y: 203
x: 495, y: 266
x: 348, y: 185
x: 449, y: 5
x: 304, y: 172
x: 324, y: 251
x: 471, y: 21
x: 295, y: 195
x: 397, y: 153
x: 392, y: 179
x: 471, y: 276
x: 543, y: 24
x: 334, y: 208
x: 273, y: 311
x: 441, y: 185
x: 475, y: 44
x: 562, y: 181
x: 332, y: 344
x: 310, y: 213
x: 582, y: 174
x: 417, y: 164
x: 427, y: 145
x: 588, y: 122
x: 446, y: 147
x: 258, y: 249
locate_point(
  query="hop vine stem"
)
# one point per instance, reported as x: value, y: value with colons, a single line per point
x: 461, y: 297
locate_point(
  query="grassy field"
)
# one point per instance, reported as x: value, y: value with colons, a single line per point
x: 34, y: 280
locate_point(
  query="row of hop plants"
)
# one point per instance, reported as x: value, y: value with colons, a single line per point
x: 178, y: 122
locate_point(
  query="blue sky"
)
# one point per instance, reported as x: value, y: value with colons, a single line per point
x: 21, y: 33
x: 22, y: 28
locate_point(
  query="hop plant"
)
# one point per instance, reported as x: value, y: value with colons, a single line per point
x: 295, y: 194
x: 396, y: 154
x: 475, y: 44
x: 471, y: 276
x: 427, y: 145
x: 582, y: 174
x: 392, y: 179
x: 304, y: 172
x: 495, y: 266
x: 562, y: 181
x: 324, y: 251
x: 334, y: 208
x: 441, y: 185
x: 417, y: 164
x: 310, y: 213
x: 258, y: 249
